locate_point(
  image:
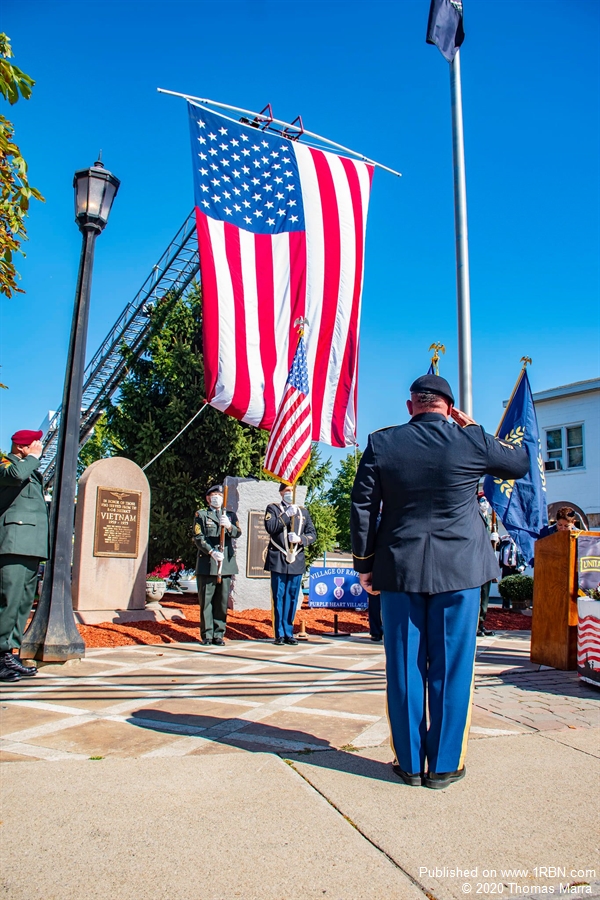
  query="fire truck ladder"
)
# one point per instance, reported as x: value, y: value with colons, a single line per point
x: 170, y: 277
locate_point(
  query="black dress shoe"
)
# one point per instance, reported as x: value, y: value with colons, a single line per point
x: 7, y: 674
x: 290, y: 641
x: 14, y: 663
x: 218, y: 642
x: 206, y: 643
x: 438, y: 780
x: 376, y: 640
x: 279, y: 641
x: 485, y: 632
x: 413, y: 779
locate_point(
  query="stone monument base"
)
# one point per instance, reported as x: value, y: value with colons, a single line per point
x: 126, y: 616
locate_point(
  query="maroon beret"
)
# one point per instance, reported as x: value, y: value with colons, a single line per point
x: 26, y: 437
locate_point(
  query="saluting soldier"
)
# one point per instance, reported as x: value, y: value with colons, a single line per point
x: 290, y: 529
x: 428, y: 559
x: 214, y: 567
x: 23, y: 544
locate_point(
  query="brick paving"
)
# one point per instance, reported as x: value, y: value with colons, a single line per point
x: 176, y: 700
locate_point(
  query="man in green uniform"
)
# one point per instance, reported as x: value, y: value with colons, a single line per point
x: 213, y: 562
x: 23, y: 543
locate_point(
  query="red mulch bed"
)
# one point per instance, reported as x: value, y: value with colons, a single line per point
x: 248, y: 624
x: 507, y: 620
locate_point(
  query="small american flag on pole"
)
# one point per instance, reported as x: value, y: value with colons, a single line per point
x: 288, y: 450
x: 281, y: 235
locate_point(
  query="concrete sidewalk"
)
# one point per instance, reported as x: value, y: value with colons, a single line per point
x: 254, y: 771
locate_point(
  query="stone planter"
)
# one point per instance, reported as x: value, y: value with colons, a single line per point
x: 155, y: 591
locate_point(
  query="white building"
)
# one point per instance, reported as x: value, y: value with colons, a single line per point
x: 569, y: 423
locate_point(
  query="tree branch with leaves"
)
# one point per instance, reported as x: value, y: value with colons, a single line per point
x: 15, y: 190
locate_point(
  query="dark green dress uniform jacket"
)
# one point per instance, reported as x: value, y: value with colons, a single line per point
x: 206, y: 537
x: 23, y: 510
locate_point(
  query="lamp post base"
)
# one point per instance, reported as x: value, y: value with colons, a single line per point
x: 52, y: 635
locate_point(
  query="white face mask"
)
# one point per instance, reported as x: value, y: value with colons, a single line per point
x: 216, y: 501
x: 288, y: 496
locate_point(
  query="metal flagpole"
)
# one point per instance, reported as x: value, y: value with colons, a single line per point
x: 465, y: 366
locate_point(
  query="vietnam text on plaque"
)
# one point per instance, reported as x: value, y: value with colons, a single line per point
x: 117, y: 522
x: 258, y: 542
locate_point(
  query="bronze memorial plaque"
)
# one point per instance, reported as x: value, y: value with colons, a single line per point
x: 117, y: 523
x: 258, y: 541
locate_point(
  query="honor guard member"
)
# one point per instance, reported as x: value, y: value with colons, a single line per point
x: 428, y: 559
x: 23, y: 544
x: 290, y: 529
x: 213, y: 562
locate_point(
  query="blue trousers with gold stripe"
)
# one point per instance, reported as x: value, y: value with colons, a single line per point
x: 430, y: 642
x: 284, y: 596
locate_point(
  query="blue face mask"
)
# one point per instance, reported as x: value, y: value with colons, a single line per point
x: 288, y: 496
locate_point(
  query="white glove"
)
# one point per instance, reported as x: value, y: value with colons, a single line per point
x: 293, y: 538
x: 494, y: 537
x: 225, y: 522
x: 217, y: 555
x: 292, y: 510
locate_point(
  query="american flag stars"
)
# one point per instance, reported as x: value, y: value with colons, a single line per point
x: 259, y: 168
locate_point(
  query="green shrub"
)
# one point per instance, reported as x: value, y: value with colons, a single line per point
x: 516, y: 588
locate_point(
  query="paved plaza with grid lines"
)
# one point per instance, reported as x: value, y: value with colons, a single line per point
x: 288, y: 746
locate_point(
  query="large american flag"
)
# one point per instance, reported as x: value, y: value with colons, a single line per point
x: 288, y: 450
x: 281, y: 233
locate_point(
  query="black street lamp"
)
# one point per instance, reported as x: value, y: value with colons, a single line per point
x: 52, y: 635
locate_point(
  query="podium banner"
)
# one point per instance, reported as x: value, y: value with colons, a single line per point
x: 588, y: 562
x: 335, y: 588
x: 588, y: 640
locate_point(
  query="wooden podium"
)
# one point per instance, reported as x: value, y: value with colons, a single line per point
x: 554, y: 623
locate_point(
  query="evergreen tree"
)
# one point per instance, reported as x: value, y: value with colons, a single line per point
x: 338, y: 496
x: 162, y: 391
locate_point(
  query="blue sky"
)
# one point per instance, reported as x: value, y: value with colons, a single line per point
x: 362, y: 75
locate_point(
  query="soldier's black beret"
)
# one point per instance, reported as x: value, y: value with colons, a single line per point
x: 432, y: 384
x: 215, y: 489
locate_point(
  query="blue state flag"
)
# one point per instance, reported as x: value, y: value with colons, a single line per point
x: 521, y: 504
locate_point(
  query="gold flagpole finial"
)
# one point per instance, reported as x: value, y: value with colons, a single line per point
x: 437, y: 349
x: 527, y: 361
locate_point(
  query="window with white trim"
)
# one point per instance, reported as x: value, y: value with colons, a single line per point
x: 564, y: 448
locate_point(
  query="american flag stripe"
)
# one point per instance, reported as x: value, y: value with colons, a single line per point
x: 345, y: 394
x: 293, y: 409
x: 290, y: 440
x: 210, y: 317
x: 337, y: 196
x: 258, y: 278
